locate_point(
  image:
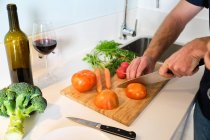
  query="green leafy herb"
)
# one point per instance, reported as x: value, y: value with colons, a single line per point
x: 107, y: 54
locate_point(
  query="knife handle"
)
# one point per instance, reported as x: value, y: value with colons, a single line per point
x: 201, y: 62
x: 119, y: 132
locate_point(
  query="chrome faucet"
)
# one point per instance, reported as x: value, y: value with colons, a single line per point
x: 157, y: 3
x: 124, y: 30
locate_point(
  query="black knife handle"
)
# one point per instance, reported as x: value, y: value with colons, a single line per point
x: 119, y: 132
x: 201, y: 62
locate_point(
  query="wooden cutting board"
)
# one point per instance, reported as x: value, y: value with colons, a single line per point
x: 128, y: 109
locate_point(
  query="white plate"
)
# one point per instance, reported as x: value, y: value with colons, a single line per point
x: 75, y: 133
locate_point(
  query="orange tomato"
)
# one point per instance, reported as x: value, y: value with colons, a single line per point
x: 136, y: 91
x: 107, y: 99
x: 84, y: 80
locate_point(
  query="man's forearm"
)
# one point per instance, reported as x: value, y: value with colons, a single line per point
x: 171, y: 28
x: 199, y: 47
x: 167, y: 33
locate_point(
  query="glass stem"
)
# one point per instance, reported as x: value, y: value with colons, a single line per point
x: 46, y: 64
x: 40, y: 55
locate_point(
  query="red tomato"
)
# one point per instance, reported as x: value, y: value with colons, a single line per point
x: 107, y: 99
x: 136, y: 91
x: 83, y: 80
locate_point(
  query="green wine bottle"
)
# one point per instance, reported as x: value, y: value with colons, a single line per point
x: 17, y: 49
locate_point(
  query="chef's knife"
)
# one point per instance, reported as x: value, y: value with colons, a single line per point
x: 146, y: 79
x: 150, y: 78
x: 109, y: 129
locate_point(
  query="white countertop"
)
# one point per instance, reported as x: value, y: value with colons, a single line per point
x: 158, y: 121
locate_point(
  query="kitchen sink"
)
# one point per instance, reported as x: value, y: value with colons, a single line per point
x: 139, y: 46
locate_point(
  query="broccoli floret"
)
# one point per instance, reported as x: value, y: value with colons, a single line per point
x: 10, y: 107
x: 18, y: 101
x: 10, y: 95
x: 37, y: 90
x: 3, y: 97
x: 3, y: 111
x: 38, y: 104
x: 20, y: 88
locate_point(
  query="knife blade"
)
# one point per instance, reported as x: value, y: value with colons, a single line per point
x: 146, y: 79
x: 131, y: 135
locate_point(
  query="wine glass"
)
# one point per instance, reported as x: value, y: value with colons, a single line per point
x: 44, y: 41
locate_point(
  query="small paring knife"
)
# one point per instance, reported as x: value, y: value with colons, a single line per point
x: 109, y: 129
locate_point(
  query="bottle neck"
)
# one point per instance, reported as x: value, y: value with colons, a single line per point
x: 13, y: 20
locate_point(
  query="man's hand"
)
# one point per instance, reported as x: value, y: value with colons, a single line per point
x: 207, y: 57
x: 184, y: 62
x: 139, y: 66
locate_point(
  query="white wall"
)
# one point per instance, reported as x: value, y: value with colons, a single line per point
x: 90, y: 21
x: 166, y: 6
x: 60, y: 12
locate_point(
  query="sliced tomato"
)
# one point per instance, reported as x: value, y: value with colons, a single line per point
x: 136, y: 91
x: 107, y: 99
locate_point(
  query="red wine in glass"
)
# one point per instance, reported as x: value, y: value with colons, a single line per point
x: 44, y: 42
x: 45, y: 46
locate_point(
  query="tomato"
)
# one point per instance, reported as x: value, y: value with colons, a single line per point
x: 107, y: 99
x: 136, y: 91
x: 84, y: 80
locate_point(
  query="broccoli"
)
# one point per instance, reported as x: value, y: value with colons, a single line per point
x: 18, y: 101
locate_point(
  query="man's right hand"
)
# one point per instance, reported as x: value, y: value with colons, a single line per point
x: 207, y: 57
x: 184, y: 62
x: 139, y: 66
